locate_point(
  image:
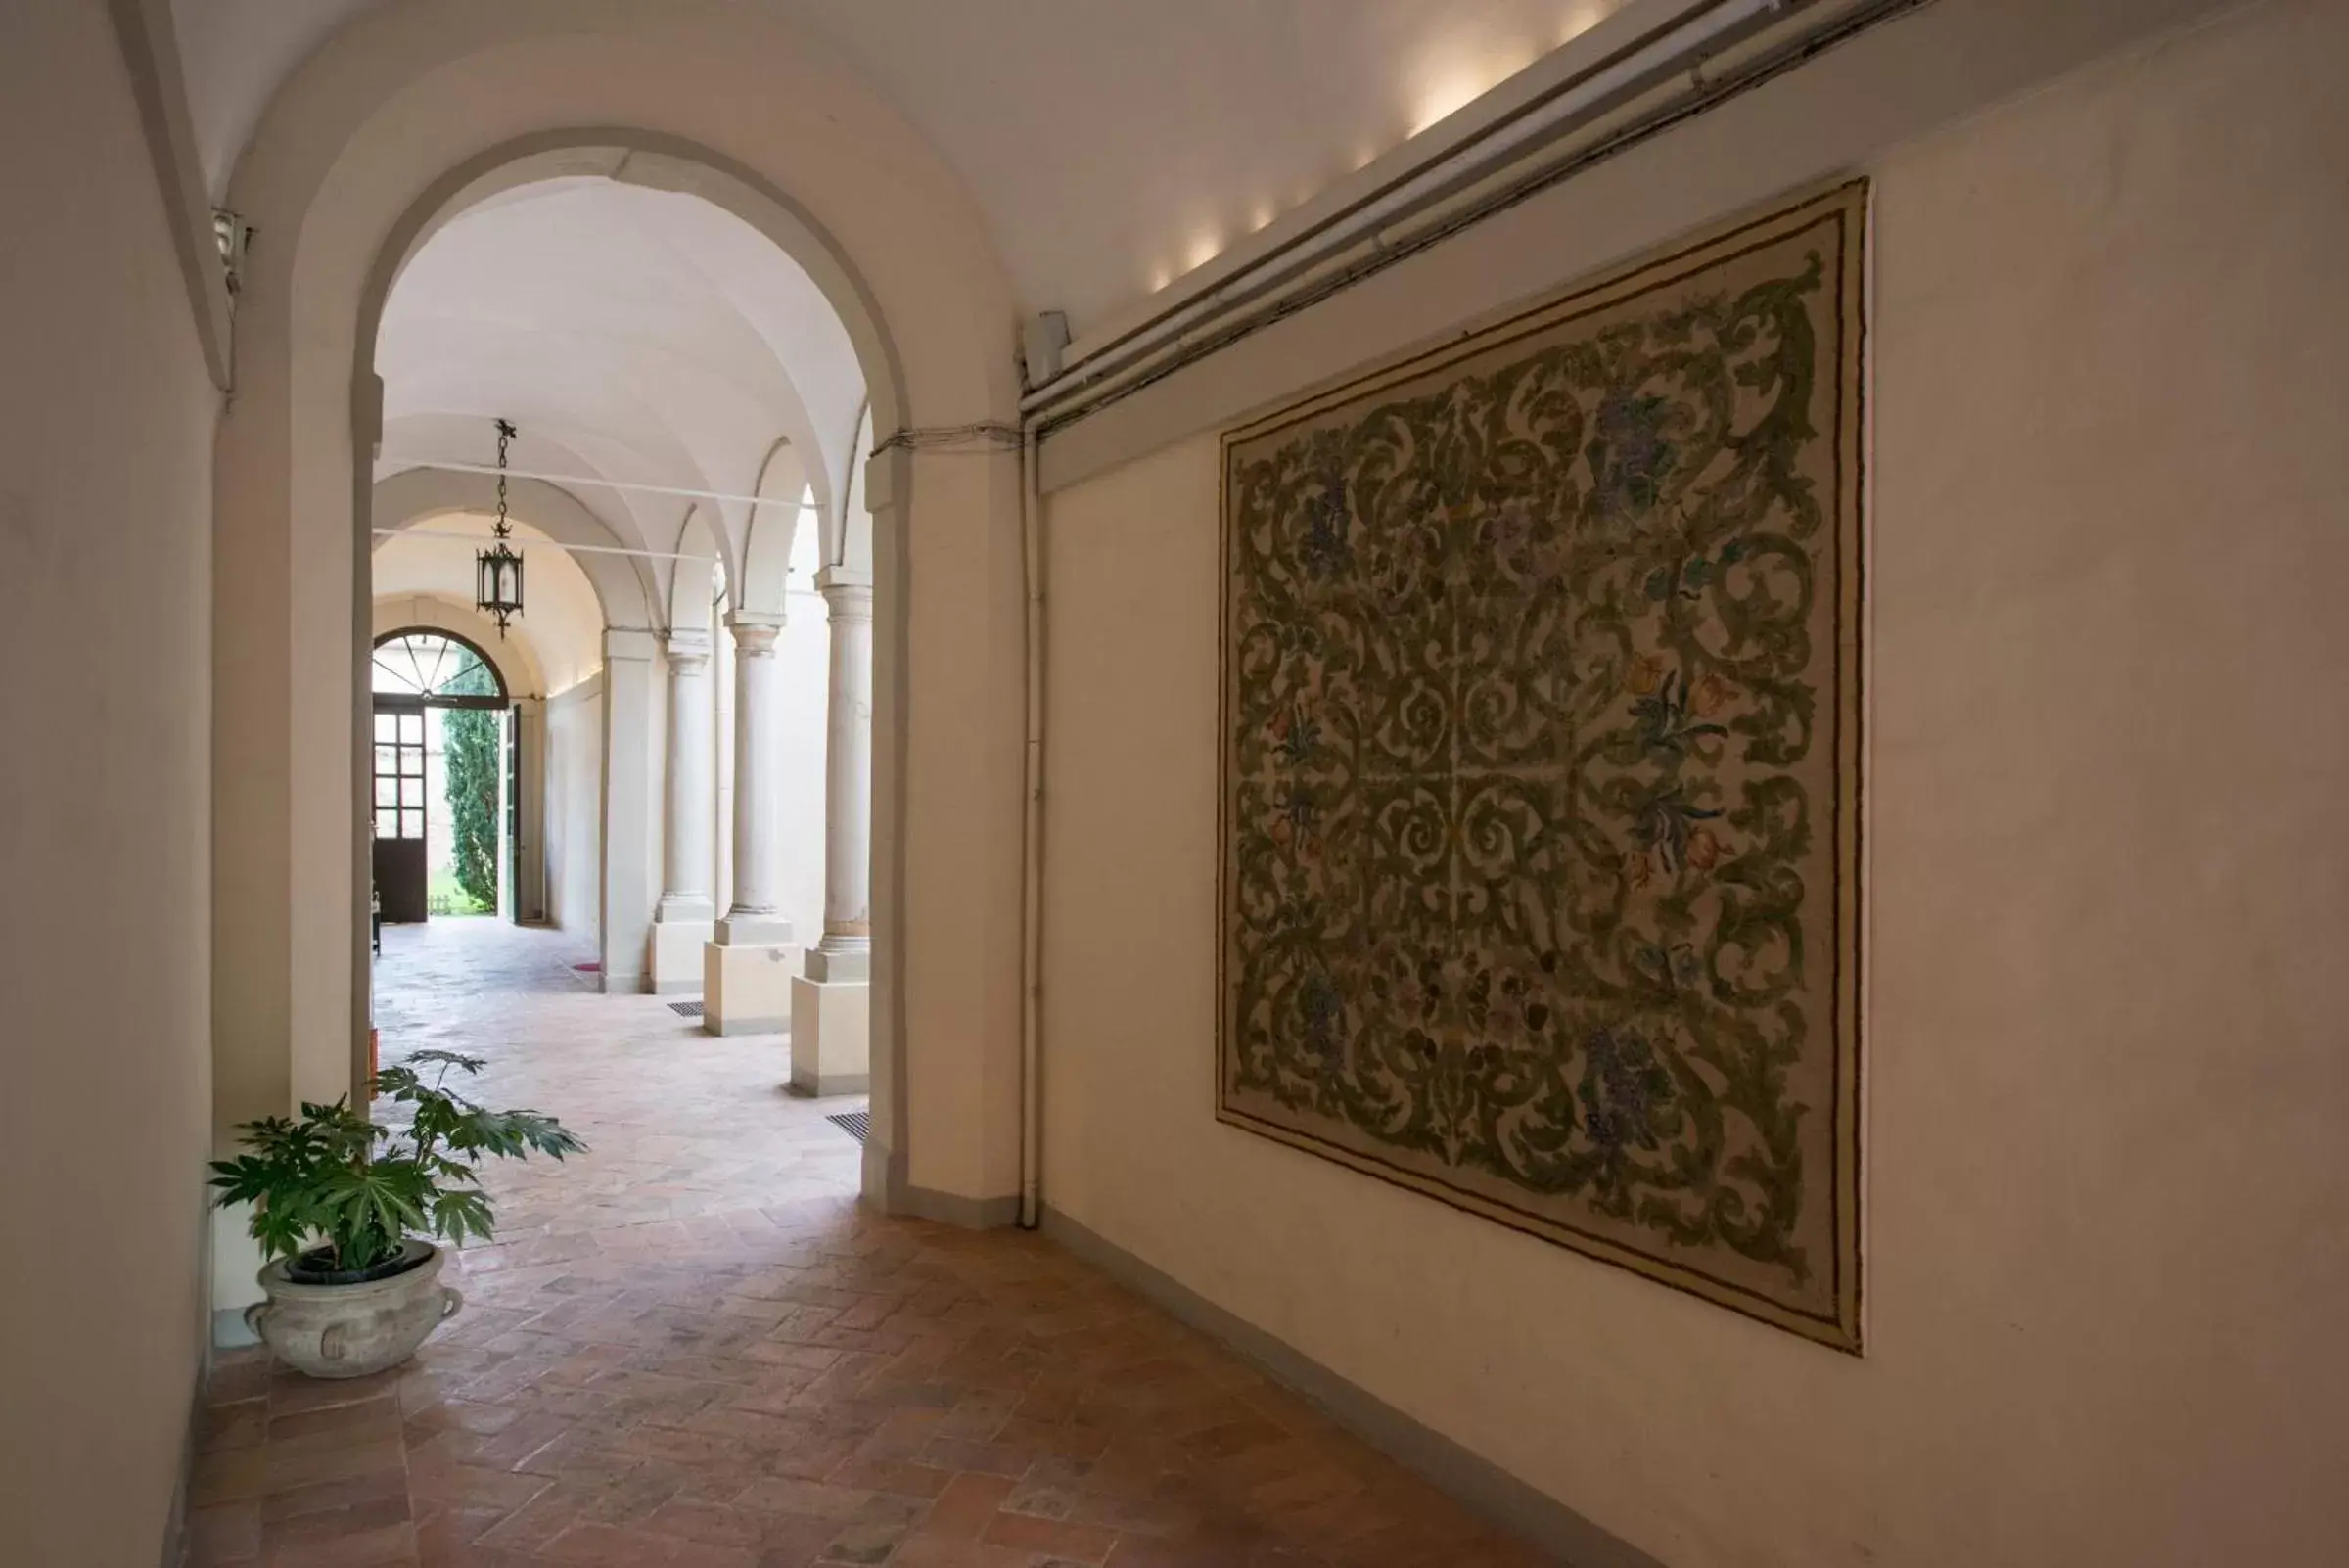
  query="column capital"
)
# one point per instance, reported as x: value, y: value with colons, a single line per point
x: 755, y: 630
x: 847, y: 594
x: 688, y: 652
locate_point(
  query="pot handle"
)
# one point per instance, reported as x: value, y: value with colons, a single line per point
x: 451, y: 1299
x: 254, y: 1316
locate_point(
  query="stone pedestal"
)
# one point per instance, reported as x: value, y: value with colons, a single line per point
x: 745, y: 989
x: 831, y: 1027
x: 676, y: 955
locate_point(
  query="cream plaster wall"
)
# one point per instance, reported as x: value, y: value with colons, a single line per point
x: 106, y: 445
x: 575, y: 740
x: 2109, y: 1222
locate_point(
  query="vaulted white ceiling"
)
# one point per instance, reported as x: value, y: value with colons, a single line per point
x: 1111, y: 144
x: 648, y: 337
x: 635, y: 336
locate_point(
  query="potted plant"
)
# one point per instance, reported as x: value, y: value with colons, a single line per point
x: 344, y: 1207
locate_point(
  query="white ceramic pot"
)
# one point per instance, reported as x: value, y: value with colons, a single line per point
x: 353, y: 1330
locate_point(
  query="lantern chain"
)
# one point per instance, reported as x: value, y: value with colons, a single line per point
x: 505, y: 434
x: 499, y: 592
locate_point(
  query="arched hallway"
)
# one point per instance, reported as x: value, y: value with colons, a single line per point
x: 1600, y: 730
x: 691, y: 1348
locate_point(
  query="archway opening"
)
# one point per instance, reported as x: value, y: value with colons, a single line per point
x: 686, y: 404
x: 443, y: 779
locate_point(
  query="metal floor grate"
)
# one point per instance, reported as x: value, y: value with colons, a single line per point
x: 691, y: 1009
x: 858, y: 1124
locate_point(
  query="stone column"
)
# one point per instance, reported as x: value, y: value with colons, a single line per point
x: 831, y: 1004
x: 682, y: 923
x: 746, y: 970
x: 845, y: 954
x: 629, y: 893
x: 721, y: 769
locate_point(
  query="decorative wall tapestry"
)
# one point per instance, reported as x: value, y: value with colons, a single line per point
x: 1540, y: 772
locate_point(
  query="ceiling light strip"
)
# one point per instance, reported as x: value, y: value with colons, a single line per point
x: 1240, y: 313
x: 1430, y: 164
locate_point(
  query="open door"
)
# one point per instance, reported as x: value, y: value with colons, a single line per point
x: 400, y: 877
x: 416, y: 670
x: 509, y: 797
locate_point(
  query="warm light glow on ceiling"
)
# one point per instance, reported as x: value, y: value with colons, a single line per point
x: 1444, y: 85
x: 1581, y: 20
x: 1459, y: 83
x: 1451, y: 82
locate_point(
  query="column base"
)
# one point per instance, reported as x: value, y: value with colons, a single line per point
x: 831, y: 1036
x: 676, y: 952
x: 746, y: 989
x: 851, y: 964
x: 752, y: 931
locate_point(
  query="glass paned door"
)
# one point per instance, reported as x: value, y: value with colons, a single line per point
x: 398, y: 808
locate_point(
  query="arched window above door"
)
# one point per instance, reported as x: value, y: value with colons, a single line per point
x: 438, y: 669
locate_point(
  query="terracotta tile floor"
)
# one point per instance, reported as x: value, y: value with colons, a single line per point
x: 691, y: 1349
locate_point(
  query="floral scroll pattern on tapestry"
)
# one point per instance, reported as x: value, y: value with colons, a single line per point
x: 1539, y: 776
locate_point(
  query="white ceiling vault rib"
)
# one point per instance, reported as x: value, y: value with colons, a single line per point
x: 421, y: 531
x: 473, y: 541
x: 392, y: 466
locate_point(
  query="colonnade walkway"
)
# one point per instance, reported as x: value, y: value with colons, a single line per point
x: 691, y: 1348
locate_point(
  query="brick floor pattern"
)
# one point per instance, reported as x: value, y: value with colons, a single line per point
x: 652, y: 1372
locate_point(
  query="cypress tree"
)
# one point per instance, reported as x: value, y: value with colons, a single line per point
x: 472, y: 770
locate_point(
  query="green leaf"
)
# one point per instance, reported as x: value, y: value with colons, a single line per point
x: 336, y: 1176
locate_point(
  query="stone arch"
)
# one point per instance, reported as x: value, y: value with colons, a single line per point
x: 417, y: 496
x: 693, y: 575
x: 847, y: 538
x: 512, y: 657
x: 373, y: 138
x: 771, y: 527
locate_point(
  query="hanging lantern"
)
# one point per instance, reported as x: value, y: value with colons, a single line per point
x: 498, y: 583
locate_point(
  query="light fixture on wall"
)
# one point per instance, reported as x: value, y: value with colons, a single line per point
x: 497, y: 588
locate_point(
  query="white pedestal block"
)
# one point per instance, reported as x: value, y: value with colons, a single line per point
x: 677, y: 956
x: 747, y: 990
x: 236, y: 1261
x: 831, y: 1036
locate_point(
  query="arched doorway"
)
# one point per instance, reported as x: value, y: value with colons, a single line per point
x: 443, y: 774
x: 417, y: 114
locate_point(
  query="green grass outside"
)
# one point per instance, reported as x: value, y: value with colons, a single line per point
x: 445, y: 898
